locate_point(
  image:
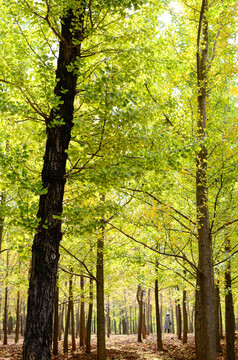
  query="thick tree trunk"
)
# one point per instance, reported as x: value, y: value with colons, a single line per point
x: 89, y: 322
x: 45, y: 249
x: 17, y: 330
x: 205, y: 333
x: 101, y: 346
x: 229, y: 311
x: 158, y: 327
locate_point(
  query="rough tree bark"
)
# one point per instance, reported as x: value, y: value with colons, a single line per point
x: 205, y: 334
x: 45, y: 249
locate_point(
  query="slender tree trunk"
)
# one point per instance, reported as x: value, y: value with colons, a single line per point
x: 158, y: 327
x: 185, y: 318
x: 148, y: 314
x: 66, y: 330
x: 5, y: 316
x: 229, y: 310
x: 161, y: 309
x: 61, y: 321
x: 217, y: 297
x: 140, y: 304
x: 143, y: 321
x: 151, y: 319
x: 179, y: 320
x: 82, y: 330
x: 2, y: 202
x: 73, y: 327
x: 77, y: 322
x: 56, y: 322
x: 45, y: 249
x: 205, y: 334
x: 89, y: 322
x: 136, y: 325
x: 67, y: 320
x: 108, y: 318
x: 17, y: 330
x: 101, y: 346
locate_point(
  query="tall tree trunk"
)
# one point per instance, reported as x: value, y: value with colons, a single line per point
x: 17, y: 330
x: 77, y: 322
x: 67, y: 320
x: 56, y: 322
x: 158, y: 325
x: 5, y: 316
x: 143, y: 321
x: 2, y: 202
x: 151, y: 319
x: 178, y: 319
x: 148, y: 314
x: 89, y: 322
x: 45, y: 249
x: 229, y: 310
x: 217, y: 297
x: 205, y: 333
x: 61, y: 321
x: 82, y: 330
x: 101, y: 346
x: 108, y: 318
x: 140, y: 304
x: 73, y: 327
x: 185, y: 318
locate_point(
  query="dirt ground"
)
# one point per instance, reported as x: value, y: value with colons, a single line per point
x: 120, y: 347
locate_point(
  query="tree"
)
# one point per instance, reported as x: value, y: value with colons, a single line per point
x: 45, y: 249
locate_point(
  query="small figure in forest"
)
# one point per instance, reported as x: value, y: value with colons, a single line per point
x: 167, y: 322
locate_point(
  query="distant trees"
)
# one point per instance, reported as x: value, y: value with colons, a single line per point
x: 139, y: 111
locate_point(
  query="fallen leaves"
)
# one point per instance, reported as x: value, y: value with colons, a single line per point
x: 120, y: 347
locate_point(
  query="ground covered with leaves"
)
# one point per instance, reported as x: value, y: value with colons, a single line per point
x: 121, y: 347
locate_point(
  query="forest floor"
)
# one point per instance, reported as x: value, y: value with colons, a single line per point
x: 121, y: 347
